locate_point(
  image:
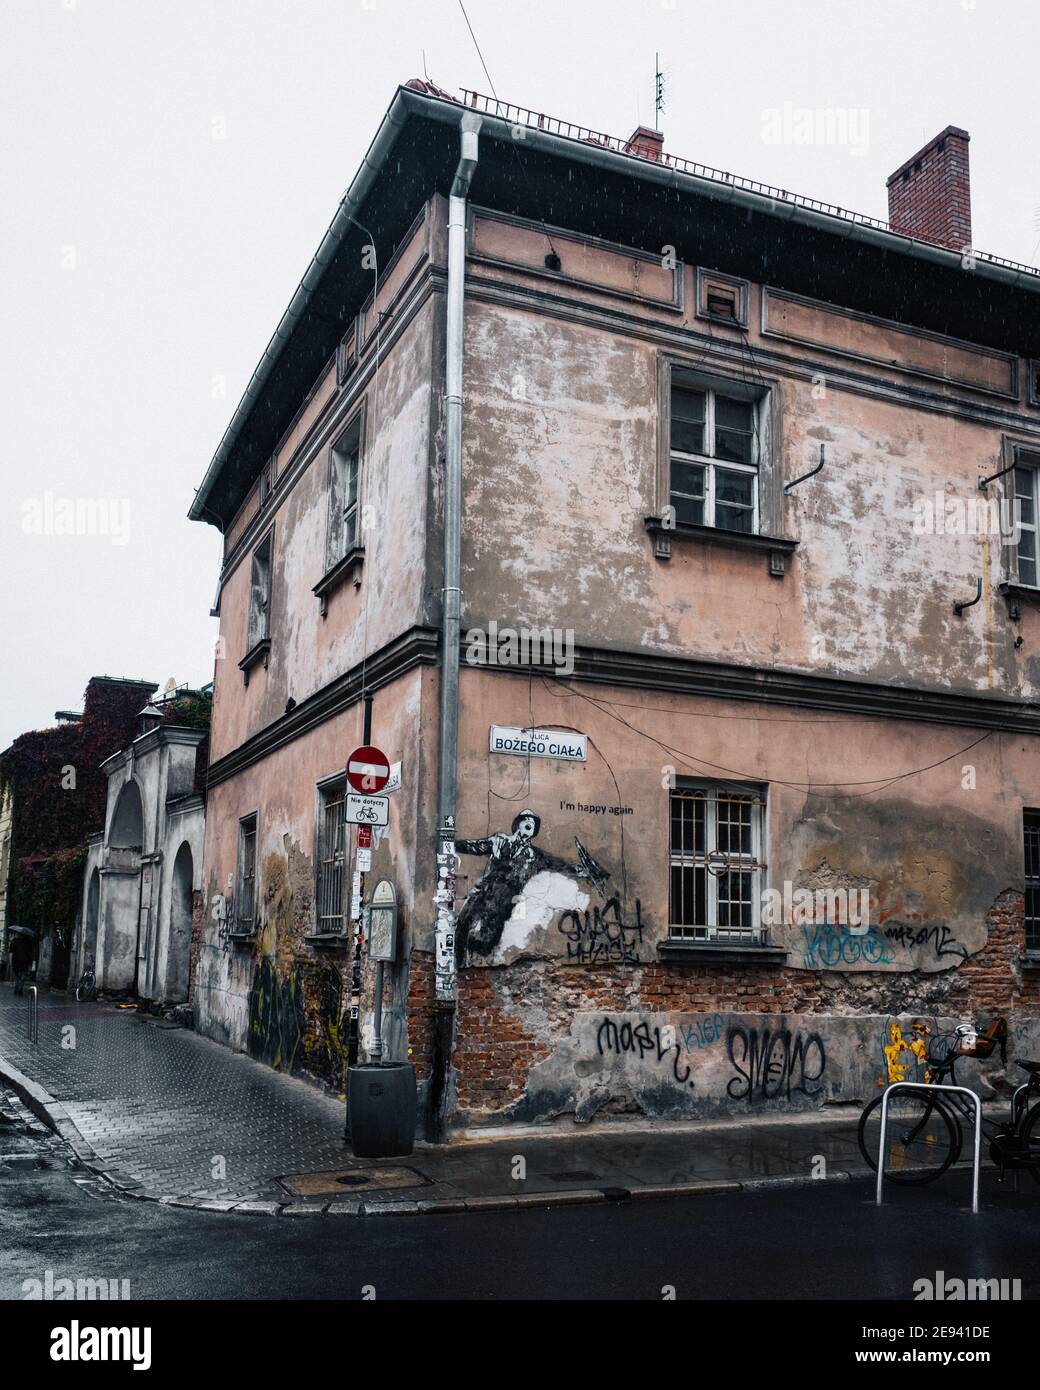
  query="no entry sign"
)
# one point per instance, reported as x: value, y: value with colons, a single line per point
x: 368, y: 769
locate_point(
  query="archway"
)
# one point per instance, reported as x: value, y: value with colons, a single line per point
x: 181, y: 902
x: 88, y: 955
x: 127, y: 829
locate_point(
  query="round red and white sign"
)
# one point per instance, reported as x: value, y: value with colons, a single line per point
x: 368, y: 769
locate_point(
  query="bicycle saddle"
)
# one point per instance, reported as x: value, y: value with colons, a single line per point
x: 1033, y: 1067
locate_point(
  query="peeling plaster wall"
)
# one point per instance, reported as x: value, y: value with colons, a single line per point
x: 939, y: 855
x: 280, y: 997
x: 561, y: 467
x: 308, y: 651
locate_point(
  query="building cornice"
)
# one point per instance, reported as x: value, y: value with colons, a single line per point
x: 660, y: 672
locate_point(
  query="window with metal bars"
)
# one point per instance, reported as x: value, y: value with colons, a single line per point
x: 715, y: 862
x: 331, y: 856
x: 1031, y: 828
x: 713, y: 458
x: 245, y: 893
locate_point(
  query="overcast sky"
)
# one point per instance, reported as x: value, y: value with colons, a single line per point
x: 168, y: 169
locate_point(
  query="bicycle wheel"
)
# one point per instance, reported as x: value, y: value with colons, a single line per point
x: 1029, y: 1150
x: 922, y: 1140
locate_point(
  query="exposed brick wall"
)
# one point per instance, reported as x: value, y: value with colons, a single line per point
x: 930, y: 195
x: 495, y: 1048
x: 421, y: 995
x: 493, y: 1052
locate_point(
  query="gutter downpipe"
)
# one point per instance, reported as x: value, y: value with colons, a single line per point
x: 446, y: 975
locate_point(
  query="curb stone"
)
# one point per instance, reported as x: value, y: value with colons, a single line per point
x: 53, y: 1114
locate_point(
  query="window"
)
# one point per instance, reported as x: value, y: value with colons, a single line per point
x: 266, y: 482
x: 260, y: 595
x: 1026, y: 475
x: 331, y: 856
x: 245, y: 893
x: 1031, y: 825
x: 343, y: 495
x: 713, y: 459
x: 716, y: 863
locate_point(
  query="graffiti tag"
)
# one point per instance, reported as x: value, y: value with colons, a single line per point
x: 772, y: 1065
x: 642, y: 1040
x: 602, y: 936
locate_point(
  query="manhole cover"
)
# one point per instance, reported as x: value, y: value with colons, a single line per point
x: 338, y: 1180
x: 574, y: 1175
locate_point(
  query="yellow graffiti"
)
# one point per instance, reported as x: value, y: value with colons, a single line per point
x: 896, y: 1062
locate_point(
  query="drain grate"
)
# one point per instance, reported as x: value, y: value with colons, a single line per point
x: 331, y: 1183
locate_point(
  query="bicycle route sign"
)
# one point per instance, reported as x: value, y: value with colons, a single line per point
x: 367, y: 810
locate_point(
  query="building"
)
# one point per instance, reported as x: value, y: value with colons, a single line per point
x: 143, y: 870
x: 719, y: 756
x: 51, y: 792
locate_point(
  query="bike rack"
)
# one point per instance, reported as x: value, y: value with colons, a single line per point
x: 32, y: 1024
x: 931, y: 1090
x: 1014, y: 1101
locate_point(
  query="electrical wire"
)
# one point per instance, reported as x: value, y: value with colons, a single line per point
x: 807, y: 787
x: 494, y: 93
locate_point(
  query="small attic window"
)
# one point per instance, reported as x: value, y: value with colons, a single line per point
x: 722, y: 303
x: 266, y: 482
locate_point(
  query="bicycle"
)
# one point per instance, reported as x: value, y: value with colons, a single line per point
x: 87, y: 987
x: 925, y: 1137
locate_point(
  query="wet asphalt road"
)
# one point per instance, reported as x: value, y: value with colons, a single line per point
x: 821, y: 1242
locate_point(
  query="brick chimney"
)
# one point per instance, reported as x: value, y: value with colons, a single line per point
x: 647, y: 143
x: 930, y: 195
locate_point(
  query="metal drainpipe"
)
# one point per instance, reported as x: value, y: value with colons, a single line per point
x: 446, y: 980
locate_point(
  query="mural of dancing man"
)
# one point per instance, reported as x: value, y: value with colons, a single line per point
x: 513, y: 860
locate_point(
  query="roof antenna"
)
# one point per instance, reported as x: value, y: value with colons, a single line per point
x: 658, y: 91
x: 425, y: 73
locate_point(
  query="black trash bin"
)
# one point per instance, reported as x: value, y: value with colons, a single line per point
x: 381, y: 1106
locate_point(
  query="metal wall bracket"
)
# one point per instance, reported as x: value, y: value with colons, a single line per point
x: 959, y: 607
x: 811, y: 474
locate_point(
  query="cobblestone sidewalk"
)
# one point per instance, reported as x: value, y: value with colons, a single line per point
x: 165, y: 1114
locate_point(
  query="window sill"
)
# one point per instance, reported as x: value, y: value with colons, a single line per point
x: 678, y: 948
x: 1030, y: 960
x: 330, y: 581
x: 260, y: 652
x: 241, y: 937
x: 1012, y: 589
x: 776, y: 547
x: 328, y: 938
